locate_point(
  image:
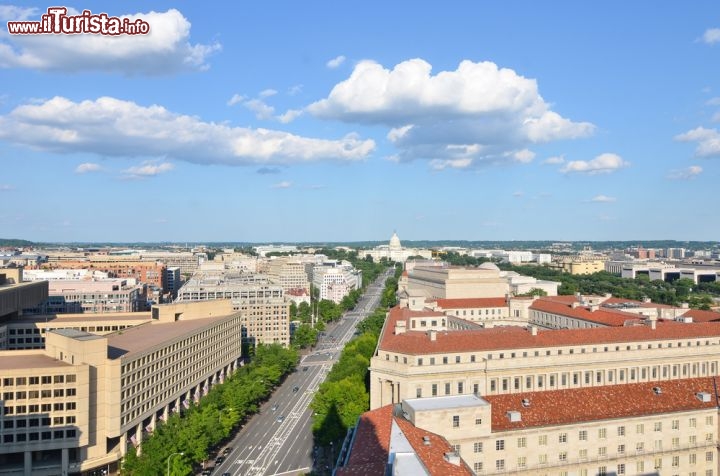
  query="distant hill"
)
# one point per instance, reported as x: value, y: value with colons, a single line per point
x: 15, y: 242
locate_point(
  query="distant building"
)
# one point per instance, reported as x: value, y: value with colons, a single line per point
x: 173, y: 280
x: 96, y: 296
x: 394, y: 251
x: 335, y: 280
x: 579, y: 264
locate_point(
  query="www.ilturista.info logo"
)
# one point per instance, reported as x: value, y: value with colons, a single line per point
x: 57, y: 21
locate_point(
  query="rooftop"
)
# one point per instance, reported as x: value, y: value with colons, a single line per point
x: 499, y: 338
x: 471, y: 303
x: 445, y: 402
x: 145, y: 336
x: 561, y: 407
x: 19, y: 360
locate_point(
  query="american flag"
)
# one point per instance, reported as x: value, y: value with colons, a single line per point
x: 133, y: 439
x: 186, y: 404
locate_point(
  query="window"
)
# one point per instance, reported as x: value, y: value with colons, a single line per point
x: 621, y: 468
x: 434, y: 390
x: 658, y: 445
x: 709, y: 420
x: 522, y: 442
x: 478, y: 421
x: 621, y: 431
x: 500, y: 464
x: 602, y: 433
x: 478, y: 466
x: 562, y: 438
x: 522, y: 461
x: 640, y: 447
x: 708, y: 437
x: 583, y: 454
x: 542, y: 440
x: 562, y: 456
x: 447, y: 389
x: 542, y: 459
x: 640, y: 429
x: 621, y: 449
x: 676, y: 424
x: 500, y: 445
x: 582, y: 435
x: 602, y: 471
x: 460, y: 387
x: 692, y: 439
x: 676, y: 442
x: 602, y: 451
x: 456, y: 421
x: 693, y: 422
x: 658, y: 463
x: 675, y: 461
x: 418, y: 392
x: 657, y: 426
x: 692, y: 459
x: 709, y: 456
x: 477, y: 447
x: 640, y: 466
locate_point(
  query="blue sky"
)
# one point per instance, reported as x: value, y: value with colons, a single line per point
x: 313, y: 121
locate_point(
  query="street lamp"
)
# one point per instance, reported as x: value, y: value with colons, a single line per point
x: 168, y: 461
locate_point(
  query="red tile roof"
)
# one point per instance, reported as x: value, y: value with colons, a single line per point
x: 602, y: 316
x: 471, y: 303
x: 561, y: 407
x: 499, y: 338
x: 370, y: 451
x: 702, y: 316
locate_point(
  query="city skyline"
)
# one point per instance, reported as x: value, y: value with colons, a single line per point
x: 284, y: 122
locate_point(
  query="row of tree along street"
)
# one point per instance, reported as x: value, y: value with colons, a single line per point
x: 214, y: 419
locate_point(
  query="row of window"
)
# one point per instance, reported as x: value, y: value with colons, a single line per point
x: 10, y: 423
x: 46, y: 407
x: 603, y: 470
x: 38, y: 436
x: 38, y: 380
x: 45, y: 393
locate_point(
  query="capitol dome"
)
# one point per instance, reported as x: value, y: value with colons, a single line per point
x: 395, y: 242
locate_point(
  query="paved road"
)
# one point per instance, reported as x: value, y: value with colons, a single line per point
x: 278, y: 440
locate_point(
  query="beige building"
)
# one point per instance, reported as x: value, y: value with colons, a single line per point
x: 81, y: 402
x: 452, y: 282
x: 93, y: 296
x: 634, y: 429
x: 394, y: 251
x: 415, y: 360
x: 288, y: 273
x: 579, y: 264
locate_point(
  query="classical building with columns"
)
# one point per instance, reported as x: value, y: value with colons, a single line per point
x: 78, y: 404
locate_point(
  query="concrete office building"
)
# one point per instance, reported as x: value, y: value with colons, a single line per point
x: 334, y: 280
x: 150, y: 273
x: 79, y: 404
x: 288, y: 273
x: 264, y: 308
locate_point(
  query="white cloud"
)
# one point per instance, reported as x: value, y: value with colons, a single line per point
x: 478, y: 111
x: 524, y: 156
x: 708, y: 141
x: 283, y: 184
x: 602, y: 199
x: 113, y: 127
x: 713, y: 102
x: 4, y: 187
x: 87, y: 167
x: 685, y: 174
x: 293, y: 90
x: 335, y: 62
x: 441, y: 164
x: 602, y: 164
x: 289, y: 115
x: 266, y: 93
x: 236, y: 99
x: 262, y: 111
x: 165, y: 50
x: 556, y: 160
x: 711, y: 35
x: 148, y: 169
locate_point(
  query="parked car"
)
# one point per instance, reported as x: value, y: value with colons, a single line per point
x: 295, y: 389
x: 281, y: 418
x: 227, y: 451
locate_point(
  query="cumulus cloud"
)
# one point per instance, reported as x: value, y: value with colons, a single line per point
x: 708, y: 141
x: 478, y: 112
x: 165, y: 50
x: 556, y: 160
x: 149, y: 169
x: 283, y: 184
x: 602, y: 164
x: 711, y: 35
x: 602, y: 199
x: 685, y: 174
x: 263, y: 111
x: 335, y: 62
x: 441, y: 164
x: 296, y: 89
x: 87, y: 167
x: 113, y: 127
x: 289, y: 115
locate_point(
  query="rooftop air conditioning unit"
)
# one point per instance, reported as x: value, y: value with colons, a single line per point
x: 703, y: 396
